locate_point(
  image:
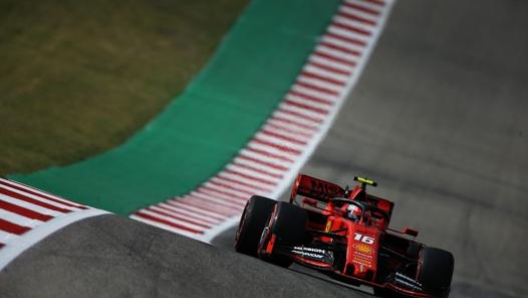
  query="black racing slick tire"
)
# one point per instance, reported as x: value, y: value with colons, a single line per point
x: 288, y: 224
x: 436, y: 271
x: 253, y: 221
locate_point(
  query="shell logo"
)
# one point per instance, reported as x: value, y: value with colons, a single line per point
x: 364, y: 248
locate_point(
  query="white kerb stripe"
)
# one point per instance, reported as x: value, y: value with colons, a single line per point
x: 193, y: 217
x: 39, y: 192
x: 305, y: 112
x: 261, y: 166
x: 30, y: 206
x: 31, y: 237
x: 324, y: 72
x: 271, y: 150
x: 164, y: 226
x: 282, y: 133
x: 313, y: 104
x: 365, y: 4
x: 359, y: 13
x: 19, y: 219
x: 253, y: 173
x: 290, y: 127
x: 341, y: 43
x: 6, y: 237
x: 193, y: 210
x: 331, y: 63
x: 353, y: 23
x: 40, y: 199
x: 170, y: 219
x: 337, y: 54
x: 336, y: 87
x: 348, y: 34
x: 314, y: 93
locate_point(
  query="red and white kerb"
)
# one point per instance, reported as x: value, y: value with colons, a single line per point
x: 27, y: 215
x: 270, y: 161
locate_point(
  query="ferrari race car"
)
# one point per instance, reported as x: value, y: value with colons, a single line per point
x: 344, y: 233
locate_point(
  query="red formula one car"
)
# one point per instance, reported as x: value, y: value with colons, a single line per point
x: 343, y: 233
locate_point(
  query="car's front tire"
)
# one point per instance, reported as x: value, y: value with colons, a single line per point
x: 436, y: 271
x: 287, y: 224
x: 252, y: 223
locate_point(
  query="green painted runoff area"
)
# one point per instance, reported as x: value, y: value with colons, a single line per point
x: 203, y: 129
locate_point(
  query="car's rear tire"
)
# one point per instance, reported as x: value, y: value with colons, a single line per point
x: 253, y: 221
x: 288, y: 224
x: 436, y: 271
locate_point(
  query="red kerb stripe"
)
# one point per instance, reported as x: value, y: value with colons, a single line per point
x: 264, y: 163
x: 209, y: 219
x: 42, y: 195
x: 268, y: 154
x: 307, y: 107
x: 296, y: 114
x: 168, y: 223
x: 247, y: 176
x: 180, y: 218
x: 317, y: 88
x: 21, y: 197
x: 293, y: 122
x: 24, y: 212
x: 207, y: 206
x: 238, y: 182
x: 254, y: 169
x: 316, y: 76
x: 335, y: 59
x: 362, y: 9
x: 229, y: 186
x: 228, y: 205
x: 341, y: 49
x: 12, y: 228
x: 211, y: 191
x: 329, y: 68
x: 179, y: 205
x: 346, y: 39
x: 289, y: 130
x: 311, y: 98
x: 280, y: 136
x: 356, y: 18
x: 376, y: 2
x: 277, y: 146
x: 351, y: 28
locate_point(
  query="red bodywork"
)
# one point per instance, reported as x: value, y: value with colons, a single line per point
x: 357, y: 250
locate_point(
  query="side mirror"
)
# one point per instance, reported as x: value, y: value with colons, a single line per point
x: 410, y: 232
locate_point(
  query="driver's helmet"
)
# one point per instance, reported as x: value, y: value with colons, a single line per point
x: 353, y: 212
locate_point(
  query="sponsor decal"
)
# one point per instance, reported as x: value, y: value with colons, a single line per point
x: 325, y: 190
x: 363, y: 248
x: 362, y: 255
x: 328, y: 226
x: 317, y: 254
x: 362, y: 264
x: 363, y: 261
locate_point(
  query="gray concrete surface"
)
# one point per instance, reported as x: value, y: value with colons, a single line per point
x: 109, y: 256
x: 438, y: 118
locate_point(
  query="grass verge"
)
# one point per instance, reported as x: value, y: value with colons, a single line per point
x: 78, y: 77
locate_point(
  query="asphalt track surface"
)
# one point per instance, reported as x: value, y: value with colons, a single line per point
x: 438, y: 119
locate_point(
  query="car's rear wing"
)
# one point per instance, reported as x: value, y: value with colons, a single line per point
x: 324, y: 191
x: 315, y: 188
